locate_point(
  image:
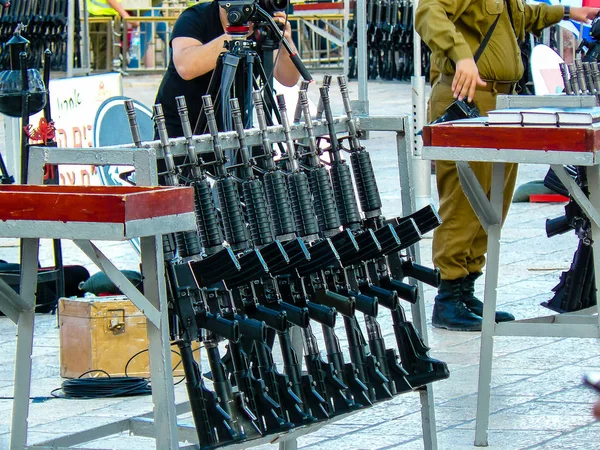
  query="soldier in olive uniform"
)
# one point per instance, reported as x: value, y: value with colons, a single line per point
x: 454, y: 29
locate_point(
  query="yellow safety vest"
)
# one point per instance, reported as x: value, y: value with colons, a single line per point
x: 101, y: 8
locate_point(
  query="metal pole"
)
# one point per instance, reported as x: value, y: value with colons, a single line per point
x: 12, y: 146
x: 361, y: 107
x: 85, y: 38
x: 346, y: 35
x: 70, y: 37
x: 421, y: 168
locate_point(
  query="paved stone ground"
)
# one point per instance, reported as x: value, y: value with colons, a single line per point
x: 538, y: 401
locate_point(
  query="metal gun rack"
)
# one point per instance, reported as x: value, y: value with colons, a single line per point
x: 164, y: 427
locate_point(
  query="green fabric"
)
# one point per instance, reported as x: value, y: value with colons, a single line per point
x: 99, y: 283
x: 523, y: 192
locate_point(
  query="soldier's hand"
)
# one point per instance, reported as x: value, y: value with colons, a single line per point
x: 466, y: 79
x: 584, y: 15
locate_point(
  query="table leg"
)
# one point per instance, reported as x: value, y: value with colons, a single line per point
x: 409, y: 206
x: 489, y: 309
x: 25, y: 328
x: 163, y: 395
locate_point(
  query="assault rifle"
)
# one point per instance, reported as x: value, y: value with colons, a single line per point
x: 388, y: 269
x: 576, y: 288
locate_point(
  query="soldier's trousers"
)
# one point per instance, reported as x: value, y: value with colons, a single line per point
x: 460, y: 242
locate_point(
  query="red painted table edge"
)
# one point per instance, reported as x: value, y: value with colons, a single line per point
x: 564, y: 139
x: 101, y: 204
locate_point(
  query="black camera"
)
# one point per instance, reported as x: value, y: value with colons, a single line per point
x: 459, y: 109
x: 239, y: 12
x: 591, y: 48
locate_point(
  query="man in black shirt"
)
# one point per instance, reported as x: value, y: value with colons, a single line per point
x: 197, y: 40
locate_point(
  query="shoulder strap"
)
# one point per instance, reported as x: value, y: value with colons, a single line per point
x: 510, y: 16
x: 487, y: 37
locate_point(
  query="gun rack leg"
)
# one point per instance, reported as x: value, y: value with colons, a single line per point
x: 489, y: 309
x: 25, y: 326
x: 405, y: 160
x: 593, y: 174
x: 163, y: 395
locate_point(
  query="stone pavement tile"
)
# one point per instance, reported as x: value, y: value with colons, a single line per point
x: 586, y: 437
x: 74, y: 424
x: 576, y: 394
x: 123, y: 441
x: 449, y: 339
x: 550, y: 421
x: 541, y: 407
x: 468, y: 403
x: 42, y: 387
x: 45, y: 416
x: 564, y: 352
x: 593, y: 362
x: 362, y: 441
x: 4, y: 439
x: 507, y: 375
x: 447, y: 389
x: 456, y: 359
x: 409, y: 425
x: 337, y: 429
x: 462, y: 439
x: 395, y: 408
x: 303, y: 441
x: 469, y: 376
x: 528, y: 307
x: 514, y: 344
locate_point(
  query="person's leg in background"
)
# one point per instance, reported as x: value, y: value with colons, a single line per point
x: 150, y: 30
x: 98, y: 45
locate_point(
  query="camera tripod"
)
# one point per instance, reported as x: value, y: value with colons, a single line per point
x: 239, y: 71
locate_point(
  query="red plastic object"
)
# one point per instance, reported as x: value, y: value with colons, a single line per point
x: 318, y: 7
x: 104, y: 204
x: 548, y: 198
x: 591, y: 3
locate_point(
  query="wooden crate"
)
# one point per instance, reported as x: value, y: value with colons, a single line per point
x: 104, y: 333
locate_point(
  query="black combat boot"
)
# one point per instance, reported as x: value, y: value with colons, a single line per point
x: 450, y: 312
x: 476, y: 305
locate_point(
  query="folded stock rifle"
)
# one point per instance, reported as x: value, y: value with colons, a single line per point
x: 292, y: 243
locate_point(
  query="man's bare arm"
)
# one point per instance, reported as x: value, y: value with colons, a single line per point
x: 192, y: 58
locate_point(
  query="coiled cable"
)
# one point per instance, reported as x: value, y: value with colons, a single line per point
x: 103, y: 387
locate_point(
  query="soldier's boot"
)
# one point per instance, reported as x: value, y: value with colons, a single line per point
x: 476, y: 305
x: 450, y: 312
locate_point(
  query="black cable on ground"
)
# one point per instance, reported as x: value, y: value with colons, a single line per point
x: 103, y: 387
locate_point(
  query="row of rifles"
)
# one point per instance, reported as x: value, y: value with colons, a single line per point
x: 581, y: 78
x: 389, y: 41
x: 44, y: 24
x: 288, y: 249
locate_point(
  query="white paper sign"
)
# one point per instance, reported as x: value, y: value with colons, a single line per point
x: 74, y: 103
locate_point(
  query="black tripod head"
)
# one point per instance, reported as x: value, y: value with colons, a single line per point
x: 240, y: 12
x: 591, y: 48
